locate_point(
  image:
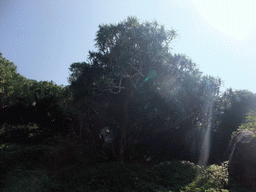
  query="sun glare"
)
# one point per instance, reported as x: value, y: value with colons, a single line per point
x: 234, y: 18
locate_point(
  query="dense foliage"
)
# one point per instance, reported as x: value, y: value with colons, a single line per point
x: 248, y: 124
x: 156, y: 106
x: 135, y: 86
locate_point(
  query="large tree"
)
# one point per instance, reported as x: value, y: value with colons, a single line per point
x: 134, y: 84
x: 132, y: 53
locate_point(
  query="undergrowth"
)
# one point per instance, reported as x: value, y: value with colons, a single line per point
x: 47, y: 167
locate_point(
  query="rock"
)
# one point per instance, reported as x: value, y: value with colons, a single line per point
x: 242, y: 160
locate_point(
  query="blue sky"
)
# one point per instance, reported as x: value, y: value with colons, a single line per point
x: 44, y: 37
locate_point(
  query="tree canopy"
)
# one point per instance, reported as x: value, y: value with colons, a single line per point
x: 135, y: 77
x: 134, y: 87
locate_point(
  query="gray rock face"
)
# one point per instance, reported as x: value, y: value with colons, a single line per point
x: 242, y: 160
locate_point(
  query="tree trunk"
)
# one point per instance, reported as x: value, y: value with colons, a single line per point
x: 123, y: 132
x: 81, y: 124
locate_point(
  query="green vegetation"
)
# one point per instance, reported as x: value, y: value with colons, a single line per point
x: 212, y: 178
x: 157, y: 107
x: 249, y: 124
x: 93, y: 175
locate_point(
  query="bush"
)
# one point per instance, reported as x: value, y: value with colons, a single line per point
x: 175, y: 175
x: 212, y: 178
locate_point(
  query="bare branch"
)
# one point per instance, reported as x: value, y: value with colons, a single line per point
x: 114, y: 86
x: 136, y: 69
x: 132, y: 82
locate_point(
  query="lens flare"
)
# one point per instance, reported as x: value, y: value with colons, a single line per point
x: 151, y: 75
x: 205, y: 148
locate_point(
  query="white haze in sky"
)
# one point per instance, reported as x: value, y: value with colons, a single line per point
x: 235, y: 18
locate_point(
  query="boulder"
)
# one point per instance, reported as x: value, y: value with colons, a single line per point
x: 242, y: 160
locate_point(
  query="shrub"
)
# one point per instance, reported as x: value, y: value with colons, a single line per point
x: 175, y: 174
x: 212, y: 178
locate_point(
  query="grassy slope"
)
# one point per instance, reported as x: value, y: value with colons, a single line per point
x: 89, y: 174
